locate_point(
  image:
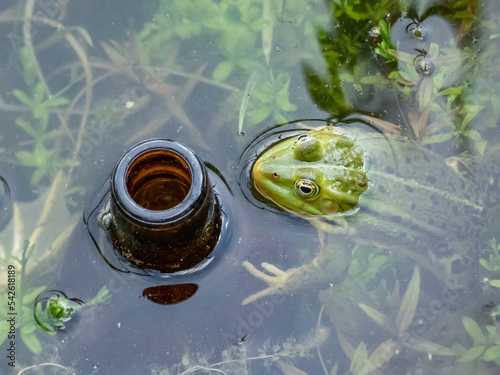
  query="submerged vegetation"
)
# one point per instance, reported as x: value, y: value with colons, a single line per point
x: 429, y: 74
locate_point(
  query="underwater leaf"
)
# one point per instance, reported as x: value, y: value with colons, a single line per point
x: 84, y: 33
x: 394, y: 299
x: 267, y: 29
x: 486, y: 264
x: 409, y: 303
x: 425, y: 93
x: 473, y: 330
x: 279, y: 118
x: 495, y: 283
x: 377, y: 316
x: 383, y: 353
x: 26, y: 126
x: 403, y: 56
x: 492, y: 354
x: 120, y: 62
x: 28, y: 328
x: 42, y: 319
x: 23, y: 98
x: 102, y: 295
x: 38, y: 95
x: 493, y: 334
x: 438, y: 138
x: 252, y: 81
x: 378, y: 261
x: 259, y: 114
x: 472, y: 354
x: 31, y: 296
x: 472, y: 134
x: 334, y: 369
x: 223, y: 70
x: 37, y: 176
x: 481, y: 146
x: 389, y: 126
x: 359, y: 359
x: 386, y: 44
x: 27, y: 158
x: 55, y: 101
x: 458, y: 349
x: 291, y: 370
x: 470, y: 112
x: 346, y: 346
x: 281, y: 99
x: 52, y: 40
x: 422, y: 345
x: 30, y: 339
x: 434, y: 49
x: 47, y: 236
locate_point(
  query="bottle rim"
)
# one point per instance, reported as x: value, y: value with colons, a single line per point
x: 136, y: 212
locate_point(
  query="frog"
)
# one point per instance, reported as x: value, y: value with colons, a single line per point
x: 369, y: 187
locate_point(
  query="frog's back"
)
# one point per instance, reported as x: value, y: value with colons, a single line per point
x: 413, y: 195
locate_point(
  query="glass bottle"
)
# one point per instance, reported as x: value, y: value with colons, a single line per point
x: 164, y: 213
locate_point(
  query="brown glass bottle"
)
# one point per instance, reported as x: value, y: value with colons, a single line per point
x: 164, y: 214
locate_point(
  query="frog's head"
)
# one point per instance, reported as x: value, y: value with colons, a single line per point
x: 320, y: 172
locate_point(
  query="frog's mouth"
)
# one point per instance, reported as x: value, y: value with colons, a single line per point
x: 263, y: 180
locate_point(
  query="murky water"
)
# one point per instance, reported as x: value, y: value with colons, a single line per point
x: 82, y: 83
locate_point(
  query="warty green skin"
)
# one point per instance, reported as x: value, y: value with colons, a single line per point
x: 409, y: 199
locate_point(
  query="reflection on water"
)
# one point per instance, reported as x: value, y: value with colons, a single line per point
x: 82, y: 84
x: 169, y: 294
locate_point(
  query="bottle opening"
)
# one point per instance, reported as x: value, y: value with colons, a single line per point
x: 158, y: 180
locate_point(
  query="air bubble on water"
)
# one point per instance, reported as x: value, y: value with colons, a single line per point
x: 423, y: 65
x: 105, y: 220
x: 374, y: 32
x: 416, y: 31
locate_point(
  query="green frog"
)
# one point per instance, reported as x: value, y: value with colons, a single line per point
x: 361, y: 187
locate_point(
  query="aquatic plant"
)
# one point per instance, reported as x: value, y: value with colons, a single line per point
x: 365, y: 266
x: 396, y: 326
x: 18, y: 260
x: 445, y: 93
x: 441, y: 76
x: 54, y: 309
x: 492, y: 263
x: 19, y: 302
x: 236, y: 359
x: 485, y: 347
x: 247, y: 36
x: 37, y: 105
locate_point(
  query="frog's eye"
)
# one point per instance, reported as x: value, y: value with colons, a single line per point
x: 307, y: 148
x: 302, y: 139
x: 306, y: 189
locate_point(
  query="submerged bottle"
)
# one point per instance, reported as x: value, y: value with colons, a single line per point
x: 164, y: 213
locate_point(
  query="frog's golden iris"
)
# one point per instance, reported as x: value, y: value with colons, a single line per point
x: 306, y: 189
